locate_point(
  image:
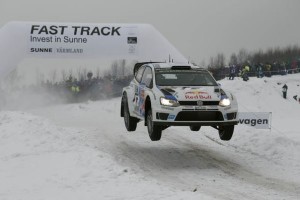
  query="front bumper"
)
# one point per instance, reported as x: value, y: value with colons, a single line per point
x: 195, y: 115
x: 203, y: 123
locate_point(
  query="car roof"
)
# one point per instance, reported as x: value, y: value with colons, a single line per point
x: 169, y: 65
x: 164, y: 65
x: 139, y: 64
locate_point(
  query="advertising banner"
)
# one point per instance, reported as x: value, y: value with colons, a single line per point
x: 138, y: 42
x: 259, y: 120
x: 82, y: 39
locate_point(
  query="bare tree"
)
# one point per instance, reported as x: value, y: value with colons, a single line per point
x: 211, y: 63
x: 242, y: 56
x: 70, y: 74
x: 114, y: 68
x: 53, y: 76
x: 63, y: 75
x: 123, y: 63
x: 220, y: 60
x: 39, y: 76
x: 202, y: 63
x: 84, y: 74
x: 79, y: 73
x: 98, y: 72
x: 233, y: 59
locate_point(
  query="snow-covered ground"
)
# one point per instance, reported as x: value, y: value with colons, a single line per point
x: 83, y: 151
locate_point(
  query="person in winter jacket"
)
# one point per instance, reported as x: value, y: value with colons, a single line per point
x: 284, y: 90
x: 232, y: 71
x: 268, y: 70
x: 244, y: 73
x: 294, y: 66
x: 259, y: 70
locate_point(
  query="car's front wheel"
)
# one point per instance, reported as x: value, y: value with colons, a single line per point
x: 226, y: 132
x: 153, y: 130
x: 130, y: 122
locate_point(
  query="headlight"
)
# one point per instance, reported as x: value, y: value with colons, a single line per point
x: 168, y: 102
x: 224, y: 102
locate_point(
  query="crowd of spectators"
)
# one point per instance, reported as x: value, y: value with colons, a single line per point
x: 258, y: 69
x: 91, y: 88
x: 73, y: 90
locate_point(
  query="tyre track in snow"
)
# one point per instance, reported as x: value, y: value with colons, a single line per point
x: 179, y: 162
x: 249, y: 176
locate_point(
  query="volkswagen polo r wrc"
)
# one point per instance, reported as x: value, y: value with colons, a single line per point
x: 168, y: 94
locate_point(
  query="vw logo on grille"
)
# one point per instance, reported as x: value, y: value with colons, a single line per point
x: 200, y: 103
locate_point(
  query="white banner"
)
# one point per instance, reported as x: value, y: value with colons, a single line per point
x: 83, y: 39
x: 259, y: 120
x: 139, y: 42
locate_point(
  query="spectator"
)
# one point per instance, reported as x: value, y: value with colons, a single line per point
x: 244, y: 73
x: 268, y: 70
x: 284, y: 90
x: 294, y: 66
x: 259, y: 70
x: 232, y: 70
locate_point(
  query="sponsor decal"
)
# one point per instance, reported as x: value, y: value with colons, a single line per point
x: 141, y: 101
x: 171, y: 117
x: 169, y: 93
x: 167, y: 108
x: 197, y: 95
x: 171, y: 97
x: 259, y: 120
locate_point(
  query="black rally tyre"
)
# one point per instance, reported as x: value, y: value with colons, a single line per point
x: 153, y: 130
x: 226, y: 132
x: 195, y: 128
x: 130, y: 122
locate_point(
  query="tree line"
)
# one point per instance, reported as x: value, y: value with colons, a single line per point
x: 279, y: 58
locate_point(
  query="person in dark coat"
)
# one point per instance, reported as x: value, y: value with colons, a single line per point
x: 232, y: 71
x: 284, y: 90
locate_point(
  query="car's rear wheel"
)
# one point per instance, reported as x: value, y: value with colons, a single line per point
x: 130, y: 122
x: 153, y: 130
x: 226, y: 132
x: 195, y: 128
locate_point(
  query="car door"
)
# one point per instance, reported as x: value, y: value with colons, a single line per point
x: 137, y: 93
x: 145, y: 84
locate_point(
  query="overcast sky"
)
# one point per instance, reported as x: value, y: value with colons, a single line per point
x: 197, y: 28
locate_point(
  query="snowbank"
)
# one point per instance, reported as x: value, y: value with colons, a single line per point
x: 82, y: 151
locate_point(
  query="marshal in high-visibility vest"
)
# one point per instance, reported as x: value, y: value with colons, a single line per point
x: 75, y: 89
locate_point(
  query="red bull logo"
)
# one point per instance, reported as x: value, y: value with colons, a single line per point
x: 197, y: 95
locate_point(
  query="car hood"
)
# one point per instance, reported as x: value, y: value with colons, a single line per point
x: 195, y: 93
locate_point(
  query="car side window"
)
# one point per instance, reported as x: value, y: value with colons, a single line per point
x: 147, y: 77
x: 139, y: 74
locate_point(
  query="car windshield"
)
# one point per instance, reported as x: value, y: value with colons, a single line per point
x: 184, y: 78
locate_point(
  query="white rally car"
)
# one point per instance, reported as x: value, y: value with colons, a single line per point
x: 168, y: 94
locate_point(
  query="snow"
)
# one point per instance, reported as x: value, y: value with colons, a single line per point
x: 83, y: 151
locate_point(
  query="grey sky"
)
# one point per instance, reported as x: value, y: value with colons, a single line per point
x: 197, y: 28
